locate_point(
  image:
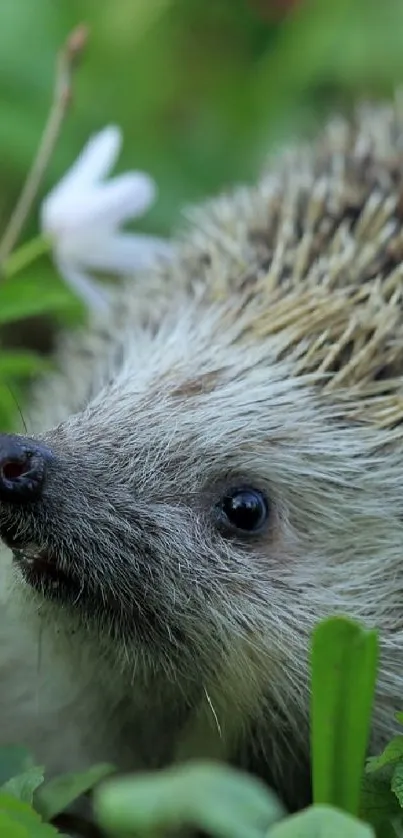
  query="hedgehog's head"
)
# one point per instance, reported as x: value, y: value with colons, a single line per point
x: 205, y: 505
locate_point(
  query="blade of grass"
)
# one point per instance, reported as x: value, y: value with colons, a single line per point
x: 344, y: 664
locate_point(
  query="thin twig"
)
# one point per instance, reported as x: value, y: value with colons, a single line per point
x: 66, y: 63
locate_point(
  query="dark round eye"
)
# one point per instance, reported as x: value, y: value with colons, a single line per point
x: 245, y: 509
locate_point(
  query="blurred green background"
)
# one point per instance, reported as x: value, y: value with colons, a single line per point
x: 201, y: 88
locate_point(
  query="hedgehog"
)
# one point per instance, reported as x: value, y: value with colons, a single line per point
x: 214, y: 467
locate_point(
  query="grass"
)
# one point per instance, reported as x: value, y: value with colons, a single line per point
x: 352, y: 796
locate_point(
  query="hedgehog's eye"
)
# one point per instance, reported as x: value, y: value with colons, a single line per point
x: 244, y: 509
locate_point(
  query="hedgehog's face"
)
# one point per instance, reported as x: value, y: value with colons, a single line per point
x: 141, y: 537
x: 187, y: 507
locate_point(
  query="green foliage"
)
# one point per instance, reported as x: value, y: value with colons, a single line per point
x: 23, y: 786
x: 54, y: 796
x: 378, y: 805
x: 382, y: 790
x: 19, y: 778
x: 389, y: 757
x: 28, y: 803
x: 19, y: 820
x: 226, y: 803
x: 24, y: 297
x: 321, y: 822
x: 209, y: 797
x: 27, y: 295
x: 344, y: 665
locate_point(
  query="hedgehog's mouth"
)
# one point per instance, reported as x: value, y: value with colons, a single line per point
x: 43, y: 573
x: 68, y: 582
x: 41, y: 570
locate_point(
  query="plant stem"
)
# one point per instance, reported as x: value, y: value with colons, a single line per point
x: 25, y: 254
x: 66, y: 63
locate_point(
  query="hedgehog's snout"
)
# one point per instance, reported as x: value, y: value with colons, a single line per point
x: 23, y: 466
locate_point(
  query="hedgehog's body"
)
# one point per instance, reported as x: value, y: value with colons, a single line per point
x: 270, y: 355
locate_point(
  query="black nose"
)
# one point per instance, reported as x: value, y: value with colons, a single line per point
x: 22, y: 469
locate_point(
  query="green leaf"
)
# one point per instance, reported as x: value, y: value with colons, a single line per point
x: 10, y: 828
x: 20, y: 297
x: 321, y: 822
x: 9, y: 401
x: 54, y: 797
x: 392, y: 753
x: 344, y: 663
x: 378, y: 804
x: 23, y: 785
x: 399, y: 718
x: 397, y: 783
x: 14, y: 760
x: 214, y: 798
x: 17, y: 363
x: 22, y: 814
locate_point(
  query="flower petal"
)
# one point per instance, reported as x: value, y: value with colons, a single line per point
x: 95, y: 296
x: 123, y: 253
x: 66, y: 216
x: 107, y: 205
x: 122, y: 198
x: 95, y: 161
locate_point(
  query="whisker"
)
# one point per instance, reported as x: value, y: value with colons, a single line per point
x: 210, y: 703
x: 38, y: 668
x: 13, y: 396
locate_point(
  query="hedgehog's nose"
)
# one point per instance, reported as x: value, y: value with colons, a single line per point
x: 22, y: 469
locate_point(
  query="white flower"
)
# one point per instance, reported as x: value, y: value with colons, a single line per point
x: 83, y: 213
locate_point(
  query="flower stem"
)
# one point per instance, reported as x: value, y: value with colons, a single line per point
x: 66, y: 62
x: 25, y: 254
